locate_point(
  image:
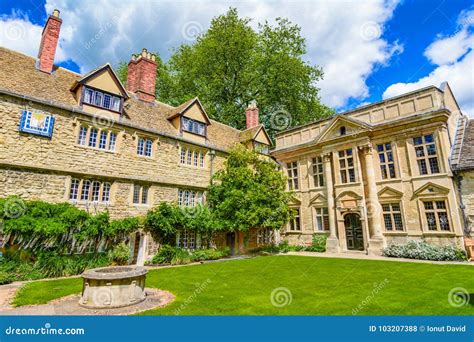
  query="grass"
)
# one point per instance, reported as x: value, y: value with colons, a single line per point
x: 318, y: 286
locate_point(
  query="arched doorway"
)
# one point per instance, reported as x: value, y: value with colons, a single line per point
x: 354, y: 233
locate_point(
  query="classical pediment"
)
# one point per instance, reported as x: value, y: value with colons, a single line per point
x: 294, y: 201
x: 430, y: 189
x: 348, y: 195
x: 389, y: 192
x: 341, y: 126
x: 318, y: 199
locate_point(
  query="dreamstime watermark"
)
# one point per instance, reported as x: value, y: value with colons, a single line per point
x: 458, y: 297
x: 191, y: 30
x: 370, y: 30
x: 101, y: 32
x: 375, y: 290
x: 46, y: 330
x: 14, y: 30
x: 192, y: 211
x: 102, y: 297
x: 14, y: 207
x: 280, y: 120
x: 103, y: 120
x: 199, y: 289
x: 281, y: 297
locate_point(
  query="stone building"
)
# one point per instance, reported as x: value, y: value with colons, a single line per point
x: 381, y: 173
x: 89, y: 140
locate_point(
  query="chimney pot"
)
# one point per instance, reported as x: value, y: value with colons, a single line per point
x: 56, y: 13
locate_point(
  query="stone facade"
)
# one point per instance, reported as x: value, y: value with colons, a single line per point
x: 370, y: 177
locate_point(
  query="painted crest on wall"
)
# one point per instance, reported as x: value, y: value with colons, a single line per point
x: 38, y: 123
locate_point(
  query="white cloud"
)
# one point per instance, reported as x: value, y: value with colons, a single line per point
x: 454, y: 60
x: 345, y: 38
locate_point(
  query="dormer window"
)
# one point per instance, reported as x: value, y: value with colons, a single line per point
x: 193, y: 126
x: 101, y: 99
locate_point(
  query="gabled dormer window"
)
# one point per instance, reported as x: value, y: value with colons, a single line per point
x: 193, y: 126
x: 101, y: 99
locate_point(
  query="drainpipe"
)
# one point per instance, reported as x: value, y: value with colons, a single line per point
x: 458, y: 182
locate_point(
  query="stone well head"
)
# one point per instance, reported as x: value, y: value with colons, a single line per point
x: 113, y: 287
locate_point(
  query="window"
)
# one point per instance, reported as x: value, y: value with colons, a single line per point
x: 265, y: 236
x: 106, y: 193
x: 261, y: 148
x: 193, y: 126
x: 74, y: 191
x: 103, y: 140
x: 94, y: 134
x: 186, y: 239
x: 292, y: 170
x: 93, y: 137
x: 322, y: 219
x: 140, y: 194
x: 342, y: 130
x: 295, y: 223
x: 192, y: 157
x: 436, y: 215
x: 318, y: 172
x: 81, y: 139
x: 101, y: 99
x: 90, y: 190
x: 112, y: 141
x: 144, y: 147
x: 392, y: 216
x: 189, y: 198
x: 85, y: 190
x: 346, y: 166
x: 387, y: 165
x: 426, y: 155
x: 201, y: 159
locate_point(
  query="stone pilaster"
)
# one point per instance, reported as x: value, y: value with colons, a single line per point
x: 332, y: 244
x: 374, y: 210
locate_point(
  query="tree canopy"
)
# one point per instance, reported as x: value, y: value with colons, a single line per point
x: 249, y: 193
x: 232, y: 64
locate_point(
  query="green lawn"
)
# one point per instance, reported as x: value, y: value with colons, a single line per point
x: 318, y: 286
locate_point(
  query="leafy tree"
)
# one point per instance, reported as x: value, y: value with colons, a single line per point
x: 233, y: 64
x: 249, y: 192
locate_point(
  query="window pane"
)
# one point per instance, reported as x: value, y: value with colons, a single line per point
x: 103, y: 140
x: 387, y: 221
x: 397, y: 219
x: 422, y: 167
x: 148, y: 148
x: 351, y: 175
x: 429, y: 138
x: 431, y: 219
x: 428, y: 205
x: 98, y: 98
x: 420, y: 152
x: 418, y: 141
x: 112, y: 141
x: 106, y: 192
x: 73, y: 192
x: 440, y: 205
x: 144, y: 195
x: 386, y: 207
x: 81, y: 140
x: 380, y: 148
x: 434, y: 167
x: 85, y: 190
x: 443, y: 220
x: 391, y: 169
x: 93, y: 137
x: 107, y: 101
x: 136, y: 194
x: 95, y: 191
x: 141, y: 147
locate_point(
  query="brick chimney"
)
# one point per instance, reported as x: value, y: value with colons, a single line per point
x: 141, y: 77
x: 49, y: 42
x: 252, y: 115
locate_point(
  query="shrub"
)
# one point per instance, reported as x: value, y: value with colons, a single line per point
x: 424, y: 251
x: 178, y: 256
x: 5, y: 278
x: 318, y: 243
x: 120, y: 254
x: 210, y: 254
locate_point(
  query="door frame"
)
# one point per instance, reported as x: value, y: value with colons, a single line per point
x: 358, y: 217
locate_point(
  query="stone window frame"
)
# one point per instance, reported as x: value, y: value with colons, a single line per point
x: 342, y: 155
x: 296, y: 224
x: 140, y: 194
x: 192, y: 157
x: 436, y: 211
x: 190, y: 197
x: 145, y: 147
x: 391, y: 212
x: 424, y: 161
x: 84, y: 135
x: 76, y: 190
x: 292, y: 171
x: 321, y: 213
x: 386, y: 164
x: 317, y: 171
x: 187, y: 239
x: 265, y: 236
x: 91, y: 94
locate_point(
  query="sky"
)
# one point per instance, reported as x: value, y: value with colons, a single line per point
x: 369, y: 50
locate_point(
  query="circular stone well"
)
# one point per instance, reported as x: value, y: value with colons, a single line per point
x: 113, y: 287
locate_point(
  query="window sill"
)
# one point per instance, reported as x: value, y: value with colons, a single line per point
x: 84, y: 202
x: 318, y: 188
x: 293, y: 232
x: 342, y: 185
x: 145, y: 157
x: 433, y: 175
x: 438, y: 233
x: 322, y: 232
x: 391, y: 180
x: 192, y: 166
x: 392, y: 233
x: 96, y: 149
x: 139, y: 205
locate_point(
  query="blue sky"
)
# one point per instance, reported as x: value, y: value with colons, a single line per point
x: 369, y: 49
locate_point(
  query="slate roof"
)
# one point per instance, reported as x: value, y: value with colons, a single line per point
x: 466, y: 159
x: 19, y: 74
